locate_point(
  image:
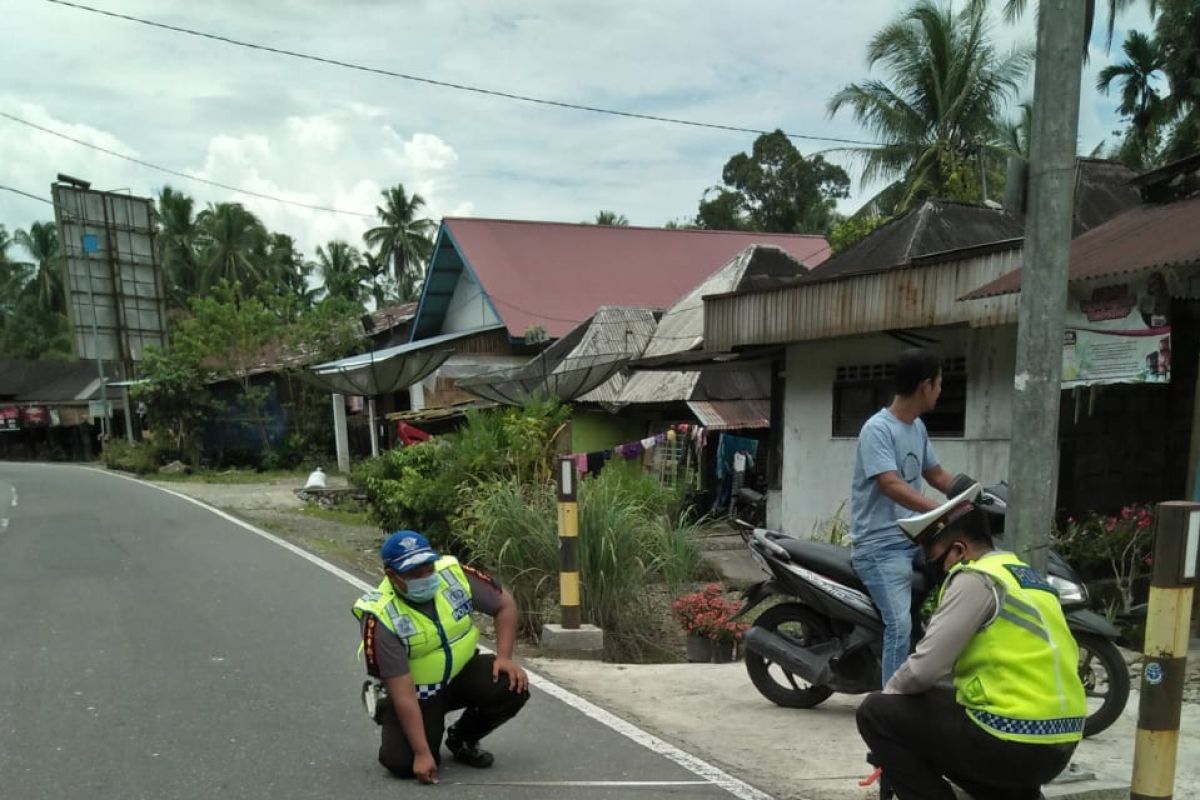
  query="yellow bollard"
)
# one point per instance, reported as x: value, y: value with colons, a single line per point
x: 568, y: 544
x: 1173, y: 576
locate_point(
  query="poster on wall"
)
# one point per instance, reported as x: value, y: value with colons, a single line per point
x: 1118, y: 333
x: 36, y: 416
x: 10, y: 418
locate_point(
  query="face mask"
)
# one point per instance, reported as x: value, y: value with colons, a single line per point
x: 421, y: 590
x: 937, y: 569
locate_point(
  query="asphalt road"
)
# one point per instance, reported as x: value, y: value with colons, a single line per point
x: 150, y: 648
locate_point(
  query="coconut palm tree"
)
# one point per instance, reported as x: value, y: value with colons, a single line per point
x: 177, y: 246
x: 41, y: 242
x: 232, y: 245
x: 402, y: 238
x: 342, y: 271
x: 939, y: 109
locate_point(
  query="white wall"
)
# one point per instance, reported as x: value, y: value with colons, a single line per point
x: 468, y: 308
x: 818, y: 467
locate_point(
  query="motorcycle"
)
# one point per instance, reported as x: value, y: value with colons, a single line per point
x: 828, y: 635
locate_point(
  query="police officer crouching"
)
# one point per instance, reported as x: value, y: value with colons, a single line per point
x: 420, y: 647
x: 1018, y: 707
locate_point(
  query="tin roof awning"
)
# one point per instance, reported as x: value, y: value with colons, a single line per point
x: 390, y: 369
x: 732, y: 415
x: 586, y: 358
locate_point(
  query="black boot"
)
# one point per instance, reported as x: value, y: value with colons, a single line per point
x: 468, y: 753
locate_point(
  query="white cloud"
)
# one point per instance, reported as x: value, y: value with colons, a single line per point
x: 323, y: 135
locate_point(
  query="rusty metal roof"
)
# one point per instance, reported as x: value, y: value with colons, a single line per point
x: 1142, y: 239
x: 935, y: 226
x: 555, y: 275
x: 727, y: 415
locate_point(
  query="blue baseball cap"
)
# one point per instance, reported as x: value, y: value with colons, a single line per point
x: 406, y: 550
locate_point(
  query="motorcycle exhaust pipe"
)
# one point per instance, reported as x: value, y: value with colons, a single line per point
x: 810, y: 666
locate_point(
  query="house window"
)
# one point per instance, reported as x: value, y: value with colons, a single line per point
x: 861, y: 390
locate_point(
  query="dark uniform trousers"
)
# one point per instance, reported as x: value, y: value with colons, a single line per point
x: 919, y: 740
x: 488, y: 705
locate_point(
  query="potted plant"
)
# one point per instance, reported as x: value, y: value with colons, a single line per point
x: 706, y: 616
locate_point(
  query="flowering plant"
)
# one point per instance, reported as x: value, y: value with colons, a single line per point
x: 1124, y: 540
x: 709, y: 614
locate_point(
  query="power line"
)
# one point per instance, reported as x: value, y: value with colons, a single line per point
x: 179, y: 174
x: 26, y: 194
x: 462, y: 87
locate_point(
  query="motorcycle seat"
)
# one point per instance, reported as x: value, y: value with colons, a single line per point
x: 833, y: 562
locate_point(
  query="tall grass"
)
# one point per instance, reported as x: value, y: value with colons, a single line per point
x: 628, y: 541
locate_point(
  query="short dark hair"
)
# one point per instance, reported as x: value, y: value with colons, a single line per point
x: 975, y: 527
x: 915, y: 366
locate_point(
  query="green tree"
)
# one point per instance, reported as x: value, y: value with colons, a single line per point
x: 402, y: 238
x: 1136, y: 76
x: 14, y: 277
x: 342, y: 271
x: 232, y: 246
x: 1177, y: 31
x: 41, y: 242
x: 289, y: 271
x: 774, y: 188
x: 384, y: 288
x: 611, y: 218
x: 849, y: 232
x: 176, y: 243
x: 939, y: 111
x: 33, y: 332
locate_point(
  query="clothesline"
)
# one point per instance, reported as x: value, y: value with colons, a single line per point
x: 593, y: 462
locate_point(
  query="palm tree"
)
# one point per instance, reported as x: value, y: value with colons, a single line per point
x: 611, y: 218
x: 177, y: 246
x: 232, y: 245
x: 1136, y: 75
x: 402, y: 238
x: 941, y: 107
x: 342, y: 271
x: 41, y: 242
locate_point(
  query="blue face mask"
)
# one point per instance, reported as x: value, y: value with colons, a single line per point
x: 421, y: 590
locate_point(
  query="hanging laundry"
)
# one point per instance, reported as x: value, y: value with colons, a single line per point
x: 409, y: 434
x: 649, y: 442
x: 581, y: 463
x: 660, y: 438
x: 631, y: 450
x: 597, y: 460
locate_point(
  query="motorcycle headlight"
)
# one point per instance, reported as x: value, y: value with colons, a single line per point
x: 1068, y: 591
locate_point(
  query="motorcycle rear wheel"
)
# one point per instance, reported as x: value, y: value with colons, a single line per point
x: 1105, y: 675
x: 803, y: 626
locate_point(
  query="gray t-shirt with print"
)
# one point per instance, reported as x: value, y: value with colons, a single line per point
x: 886, y: 444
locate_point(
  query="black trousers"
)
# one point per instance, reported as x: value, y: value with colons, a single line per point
x: 488, y: 706
x: 920, y: 740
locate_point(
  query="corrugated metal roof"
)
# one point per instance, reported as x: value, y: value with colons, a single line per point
x: 1142, y: 239
x: 23, y: 381
x: 1103, y: 189
x: 935, y: 226
x: 682, y: 327
x: 725, y: 415
x: 555, y: 275
x: 917, y: 296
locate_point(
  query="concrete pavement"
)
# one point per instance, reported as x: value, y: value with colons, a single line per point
x: 153, y: 649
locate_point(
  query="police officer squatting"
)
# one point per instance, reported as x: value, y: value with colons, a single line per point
x: 420, y: 647
x: 1017, y: 709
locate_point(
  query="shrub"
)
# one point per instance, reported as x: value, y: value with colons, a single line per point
x: 413, y: 487
x: 140, y: 458
x: 1121, y: 543
x: 709, y: 614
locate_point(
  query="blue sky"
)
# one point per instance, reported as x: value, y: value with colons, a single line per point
x: 327, y: 136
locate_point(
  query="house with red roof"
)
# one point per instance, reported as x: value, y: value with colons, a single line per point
x: 505, y: 288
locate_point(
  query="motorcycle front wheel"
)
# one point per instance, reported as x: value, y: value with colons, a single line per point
x: 1105, y: 677
x: 803, y: 627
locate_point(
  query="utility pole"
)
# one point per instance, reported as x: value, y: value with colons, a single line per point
x: 1038, y: 382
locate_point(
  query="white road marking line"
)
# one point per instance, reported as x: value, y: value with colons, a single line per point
x: 711, y: 774
x: 14, y: 500
x: 581, y: 783
x: 3, y: 523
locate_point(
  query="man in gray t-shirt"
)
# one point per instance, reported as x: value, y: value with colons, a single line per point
x: 894, y: 455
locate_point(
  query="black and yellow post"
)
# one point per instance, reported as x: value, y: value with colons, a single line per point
x: 1172, y: 580
x: 568, y: 544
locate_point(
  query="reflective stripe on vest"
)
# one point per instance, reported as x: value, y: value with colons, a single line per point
x: 438, y: 647
x: 1018, y: 676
